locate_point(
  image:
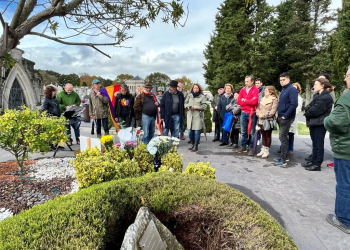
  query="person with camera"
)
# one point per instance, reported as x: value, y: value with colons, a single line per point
x: 195, y: 104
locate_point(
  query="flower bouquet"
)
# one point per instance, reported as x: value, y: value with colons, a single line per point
x: 107, y: 141
x: 125, y: 134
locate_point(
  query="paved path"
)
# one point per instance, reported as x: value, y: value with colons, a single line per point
x: 298, y: 199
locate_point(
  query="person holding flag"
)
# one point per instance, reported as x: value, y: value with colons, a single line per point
x: 248, y: 98
x: 146, y: 108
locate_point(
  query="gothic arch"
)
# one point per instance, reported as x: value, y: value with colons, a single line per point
x: 25, y: 82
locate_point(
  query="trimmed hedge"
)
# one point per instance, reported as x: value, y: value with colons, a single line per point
x: 97, y: 216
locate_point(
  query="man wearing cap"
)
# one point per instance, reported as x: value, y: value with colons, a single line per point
x: 146, y: 108
x: 67, y: 98
x: 98, y: 108
x: 216, y: 118
x: 172, y: 109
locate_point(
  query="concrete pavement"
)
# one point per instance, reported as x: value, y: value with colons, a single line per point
x: 298, y: 199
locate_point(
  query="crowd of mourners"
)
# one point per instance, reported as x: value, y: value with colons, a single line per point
x: 251, y: 114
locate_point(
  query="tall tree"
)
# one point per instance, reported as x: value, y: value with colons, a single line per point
x: 339, y: 46
x: 111, y: 18
x: 70, y: 78
x: 158, y: 78
x: 49, y: 76
x: 239, y: 44
x: 121, y: 78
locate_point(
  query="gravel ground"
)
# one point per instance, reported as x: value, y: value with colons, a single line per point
x: 46, y: 180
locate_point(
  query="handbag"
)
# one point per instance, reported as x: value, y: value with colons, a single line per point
x: 226, y: 125
x: 266, y: 125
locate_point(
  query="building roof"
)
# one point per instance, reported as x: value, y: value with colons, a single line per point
x: 137, y: 78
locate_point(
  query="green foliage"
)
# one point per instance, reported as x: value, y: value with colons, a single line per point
x: 144, y: 158
x: 172, y: 161
x: 187, y: 82
x: 70, y: 78
x: 23, y: 131
x: 121, y: 78
x: 201, y: 169
x: 158, y: 78
x: 95, y: 217
x: 93, y: 167
x: 207, y: 119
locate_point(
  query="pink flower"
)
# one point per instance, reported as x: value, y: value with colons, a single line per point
x: 118, y: 145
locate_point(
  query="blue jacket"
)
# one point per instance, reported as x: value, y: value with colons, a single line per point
x: 288, y: 102
x: 166, y: 106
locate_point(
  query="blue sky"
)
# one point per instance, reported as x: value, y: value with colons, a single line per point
x: 160, y: 48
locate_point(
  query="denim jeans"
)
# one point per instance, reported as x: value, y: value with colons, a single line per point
x: 291, y: 142
x: 195, y: 135
x: 76, y: 127
x: 317, y: 134
x: 148, y: 127
x: 284, y: 126
x: 244, y: 129
x: 175, y: 126
x: 182, y: 129
x: 225, y: 135
x: 342, y: 198
x: 104, y: 124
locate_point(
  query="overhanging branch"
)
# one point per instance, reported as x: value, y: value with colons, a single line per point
x: 92, y: 45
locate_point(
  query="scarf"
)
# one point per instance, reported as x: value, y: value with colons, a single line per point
x: 196, y: 94
x: 266, y: 100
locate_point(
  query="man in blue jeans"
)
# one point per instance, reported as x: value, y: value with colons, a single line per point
x: 287, y: 105
x: 98, y: 108
x: 172, y: 109
x: 146, y: 105
x: 338, y: 125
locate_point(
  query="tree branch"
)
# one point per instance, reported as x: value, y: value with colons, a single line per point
x: 27, y: 9
x: 8, y: 6
x: 92, y: 45
x: 17, y: 15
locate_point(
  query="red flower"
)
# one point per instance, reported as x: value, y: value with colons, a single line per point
x: 138, y: 132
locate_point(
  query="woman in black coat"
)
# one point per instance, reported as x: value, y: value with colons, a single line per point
x: 50, y: 104
x: 124, y: 106
x: 315, y: 112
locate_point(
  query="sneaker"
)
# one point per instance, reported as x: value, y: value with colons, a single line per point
x: 333, y: 220
x: 230, y: 145
x: 280, y: 163
x: 241, y: 150
x: 330, y: 165
x: 277, y: 159
x: 309, y: 158
x: 182, y: 137
x: 235, y: 145
x: 250, y: 152
x: 306, y: 164
x: 69, y: 143
x: 223, y: 144
x: 313, y: 168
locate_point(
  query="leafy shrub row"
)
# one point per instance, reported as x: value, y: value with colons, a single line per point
x: 94, y: 217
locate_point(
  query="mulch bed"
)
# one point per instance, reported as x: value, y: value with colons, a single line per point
x: 19, y: 193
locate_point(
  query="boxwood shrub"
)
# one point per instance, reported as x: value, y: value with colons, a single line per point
x: 97, y: 217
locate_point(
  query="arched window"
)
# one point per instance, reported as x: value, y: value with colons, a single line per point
x: 16, y: 98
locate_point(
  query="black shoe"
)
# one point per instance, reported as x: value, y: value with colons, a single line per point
x: 195, y: 147
x: 309, y: 158
x: 307, y: 164
x: 313, y: 168
x: 189, y: 141
x: 223, y: 144
x: 216, y: 139
x: 190, y: 148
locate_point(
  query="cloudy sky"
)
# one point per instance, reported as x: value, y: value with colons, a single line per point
x: 160, y: 48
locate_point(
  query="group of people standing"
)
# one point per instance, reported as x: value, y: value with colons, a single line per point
x: 258, y: 108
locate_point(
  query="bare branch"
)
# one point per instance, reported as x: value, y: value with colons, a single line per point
x: 17, y: 15
x: 92, y: 45
x: 2, y: 21
x: 27, y: 9
x: 8, y: 6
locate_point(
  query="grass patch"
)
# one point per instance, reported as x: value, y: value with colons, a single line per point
x: 97, y: 217
x: 302, y: 129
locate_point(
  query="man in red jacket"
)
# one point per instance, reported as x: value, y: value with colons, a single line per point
x: 248, y: 99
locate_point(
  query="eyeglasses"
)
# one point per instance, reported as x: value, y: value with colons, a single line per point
x: 347, y: 75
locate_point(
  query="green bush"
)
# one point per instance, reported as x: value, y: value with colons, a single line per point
x: 96, y: 217
x: 201, y: 169
x: 172, y: 160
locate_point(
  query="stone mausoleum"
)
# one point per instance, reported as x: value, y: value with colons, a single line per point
x: 22, y: 86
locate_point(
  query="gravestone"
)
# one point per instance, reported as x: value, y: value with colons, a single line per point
x: 148, y: 233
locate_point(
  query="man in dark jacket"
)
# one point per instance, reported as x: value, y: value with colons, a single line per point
x: 146, y: 108
x: 172, y: 109
x: 214, y: 105
x: 287, y: 105
x: 181, y: 88
x: 338, y: 125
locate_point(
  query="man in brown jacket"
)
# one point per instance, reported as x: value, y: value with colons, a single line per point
x: 146, y: 108
x: 98, y: 108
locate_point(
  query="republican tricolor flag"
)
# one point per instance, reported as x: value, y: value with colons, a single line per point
x: 109, y: 93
